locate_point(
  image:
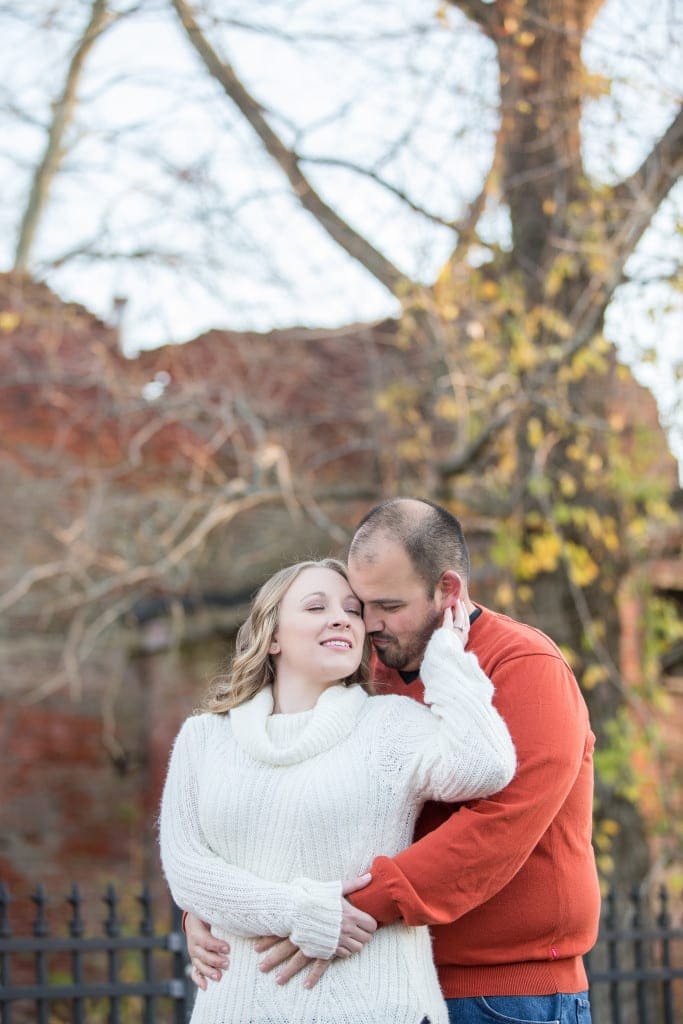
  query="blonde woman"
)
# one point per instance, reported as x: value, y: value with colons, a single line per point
x: 294, y: 777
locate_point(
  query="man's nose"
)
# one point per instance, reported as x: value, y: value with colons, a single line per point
x: 373, y: 622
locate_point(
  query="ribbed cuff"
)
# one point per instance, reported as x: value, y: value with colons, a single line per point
x: 444, y: 651
x: 317, y: 917
x: 376, y: 899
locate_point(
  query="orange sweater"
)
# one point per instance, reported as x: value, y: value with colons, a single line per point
x: 509, y: 883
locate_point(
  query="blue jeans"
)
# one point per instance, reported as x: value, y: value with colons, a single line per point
x: 556, y: 1009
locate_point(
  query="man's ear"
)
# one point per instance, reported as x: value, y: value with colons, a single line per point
x: 448, y: 589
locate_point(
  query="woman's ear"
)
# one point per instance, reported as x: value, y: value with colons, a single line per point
x: 274, y: 645
x: 449, y: 589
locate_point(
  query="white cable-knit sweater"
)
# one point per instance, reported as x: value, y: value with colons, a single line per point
x: 264, y: 815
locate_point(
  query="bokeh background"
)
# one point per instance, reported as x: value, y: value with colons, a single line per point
x: 266, y: 264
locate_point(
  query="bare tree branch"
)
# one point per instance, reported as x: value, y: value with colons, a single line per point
x: 648, y: 186
x: 461, y: 460
x: 656, y: 176
x: 31, y: 577
x: 100, y: 19
x: 466, y: 226
x: 367, y: 172
x: 339, y: 230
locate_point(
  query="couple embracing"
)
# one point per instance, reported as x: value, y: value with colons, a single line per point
x: 395, y: 840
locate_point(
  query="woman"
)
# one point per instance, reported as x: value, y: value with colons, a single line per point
x: 295, y: 777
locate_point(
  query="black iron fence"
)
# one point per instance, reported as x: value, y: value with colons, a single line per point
x: 136, y: 973
x: 636, y: 967
x: 126, y: 974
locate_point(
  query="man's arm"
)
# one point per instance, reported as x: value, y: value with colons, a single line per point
x: 480, y: 848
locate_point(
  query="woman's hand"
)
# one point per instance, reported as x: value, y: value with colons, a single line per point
x: 458, y: 620
x: 208, y: 955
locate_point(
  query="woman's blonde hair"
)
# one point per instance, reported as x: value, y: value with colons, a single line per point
x: 252, y: 667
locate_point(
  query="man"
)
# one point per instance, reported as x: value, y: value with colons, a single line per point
x: 509, y: 883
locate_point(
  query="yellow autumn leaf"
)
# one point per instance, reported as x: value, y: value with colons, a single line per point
x: 593, y: 675
x: 638, y: 527
x: 606, y: 865
x: 569, y: 655
x: 504, y: 595
x: 524, y: 353
x: 9, y: 321
x: 611, y: 540
x: 534, y: 432
x: 598, y: 629
x: 449, y: 310
x: 507, y: 463
x: 546, y: 551
x: 659, y: 509
x: 447, y: 408
x: 602, y: 841
x: 582, y: 569
x: 567, y: 485
x: 489, y: 289
x: 575, y: 452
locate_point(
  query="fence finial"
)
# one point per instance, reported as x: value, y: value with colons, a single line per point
x: 112, y: 922
x: 40, y: 925
x: 76, y: 926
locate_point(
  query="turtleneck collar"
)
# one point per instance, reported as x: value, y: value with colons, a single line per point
x: 328, y: 723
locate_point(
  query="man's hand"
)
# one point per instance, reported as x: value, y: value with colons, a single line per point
x: 357, y: 928
x: 208, y: 955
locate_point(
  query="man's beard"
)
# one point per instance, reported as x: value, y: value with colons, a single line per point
x: 411, y: 650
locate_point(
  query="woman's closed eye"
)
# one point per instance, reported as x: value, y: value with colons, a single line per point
x: 350, y: 610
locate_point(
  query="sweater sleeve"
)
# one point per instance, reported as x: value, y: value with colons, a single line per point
x: 480, y: 847
x: 467, y: 751
x: 223, y: 894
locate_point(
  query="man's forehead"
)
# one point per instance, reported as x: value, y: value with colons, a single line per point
x: 375, y: 549
x: 384, y: 579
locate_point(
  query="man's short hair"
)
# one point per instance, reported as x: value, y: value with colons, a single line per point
x: 431, y: 536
